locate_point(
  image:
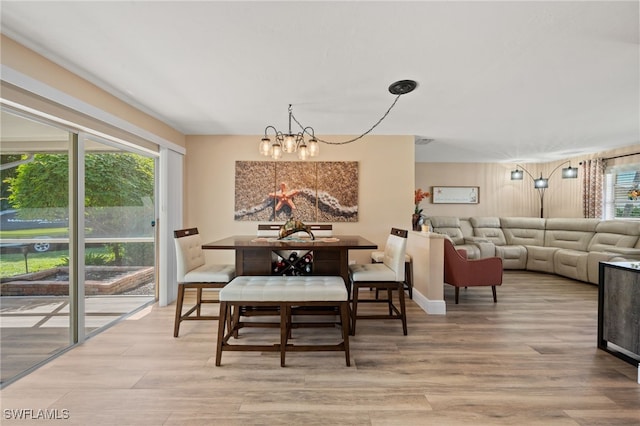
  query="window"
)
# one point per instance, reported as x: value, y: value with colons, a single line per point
x: 622, y: 192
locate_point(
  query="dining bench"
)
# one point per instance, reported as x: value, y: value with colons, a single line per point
x: 284, y: 296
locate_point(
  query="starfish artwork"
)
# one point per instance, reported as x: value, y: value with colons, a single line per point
x: 284, y: 197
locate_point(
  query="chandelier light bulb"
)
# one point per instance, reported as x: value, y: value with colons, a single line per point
x: 303, y: 152
x: 265, y: 146
x: 314, y: 147
x: 276, y: 151
x: 289, y: 144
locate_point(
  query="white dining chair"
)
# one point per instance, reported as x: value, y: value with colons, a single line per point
x: 388, y: 275
x: 377, y: 256
x: 193, y: 272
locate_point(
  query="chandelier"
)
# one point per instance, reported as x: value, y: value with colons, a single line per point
x: 291, y: 142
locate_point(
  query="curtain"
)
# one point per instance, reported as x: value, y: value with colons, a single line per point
x: 592, y: 185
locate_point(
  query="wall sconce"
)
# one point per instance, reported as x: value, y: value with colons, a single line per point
x: 541, y: 184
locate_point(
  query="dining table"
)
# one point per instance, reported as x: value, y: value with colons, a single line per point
x: 329, y: 256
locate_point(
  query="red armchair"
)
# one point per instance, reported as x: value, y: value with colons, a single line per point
x: 462, y: 272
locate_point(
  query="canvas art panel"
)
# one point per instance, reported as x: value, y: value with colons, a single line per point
x: 324, y: 191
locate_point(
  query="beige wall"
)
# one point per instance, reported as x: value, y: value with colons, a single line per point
x: 385, y: 195
x: 500, y: 196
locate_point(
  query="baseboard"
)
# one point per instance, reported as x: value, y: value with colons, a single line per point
x: 431, y: 307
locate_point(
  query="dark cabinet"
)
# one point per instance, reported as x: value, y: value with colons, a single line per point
x: 619, y: 310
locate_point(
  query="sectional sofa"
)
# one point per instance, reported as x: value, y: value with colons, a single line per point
x: 571, y: 247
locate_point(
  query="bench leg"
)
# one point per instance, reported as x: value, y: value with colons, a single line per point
x: 354, y: 308
x: 344, y: 318
x: 235, y: 319
x: 224, y: 308
x: 284, y: 331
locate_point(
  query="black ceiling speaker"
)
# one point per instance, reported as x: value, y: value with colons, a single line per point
x: 402, y: 87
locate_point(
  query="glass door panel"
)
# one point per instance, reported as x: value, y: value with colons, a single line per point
x: 119, y: 236
x: 34, y: 243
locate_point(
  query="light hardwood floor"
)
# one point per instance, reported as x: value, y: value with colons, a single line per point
x: 529, y: 359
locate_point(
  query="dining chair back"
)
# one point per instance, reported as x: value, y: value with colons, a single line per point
x: 394, y: 253
x: 193, y: 272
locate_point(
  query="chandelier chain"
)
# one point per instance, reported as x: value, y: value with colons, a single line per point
x: 304, y: 129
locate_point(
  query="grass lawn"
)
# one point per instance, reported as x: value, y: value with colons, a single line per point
x: 35, y: 233
x: 13, y: 263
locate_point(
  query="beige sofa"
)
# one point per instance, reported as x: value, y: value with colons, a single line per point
x: 570, y: 247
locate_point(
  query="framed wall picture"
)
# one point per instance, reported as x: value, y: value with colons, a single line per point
x: 455, y: 194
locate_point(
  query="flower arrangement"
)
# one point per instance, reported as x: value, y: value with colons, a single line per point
x: 634, y: 194
x: 420, y: 195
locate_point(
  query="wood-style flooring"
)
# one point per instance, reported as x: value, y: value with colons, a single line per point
x: 530, y: 359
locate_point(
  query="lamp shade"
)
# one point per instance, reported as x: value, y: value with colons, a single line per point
x: 569, y: 172
x: 517, y: 174
x: 541, y: 183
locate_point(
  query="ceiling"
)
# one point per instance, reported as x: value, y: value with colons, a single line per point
x: 499, y: 81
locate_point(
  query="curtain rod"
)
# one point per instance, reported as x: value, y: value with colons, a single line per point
x: 620, y: 156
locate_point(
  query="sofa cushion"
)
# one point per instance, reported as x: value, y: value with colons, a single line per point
x: 513, y: 257
x: 523, y: 230
x: 489, y: 228
x: 540, y: 258
x: 574, y: 234
x: 445, y: 221
x: 614, y: 233
x: 448, y: 225
x: 466, y: 227
x: 473, y: 250
x: 571, y: 264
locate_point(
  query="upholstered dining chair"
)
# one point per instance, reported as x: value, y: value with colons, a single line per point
x: 388, y: 275
x: 194, y: 273
x: 378, y: 256
x: 462, y: 272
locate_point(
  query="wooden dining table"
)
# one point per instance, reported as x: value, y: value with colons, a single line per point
x: 256, y: 255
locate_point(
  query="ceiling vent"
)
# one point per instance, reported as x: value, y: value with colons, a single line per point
x: 422, y: 140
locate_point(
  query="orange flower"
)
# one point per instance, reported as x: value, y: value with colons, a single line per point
x: 420, y: 195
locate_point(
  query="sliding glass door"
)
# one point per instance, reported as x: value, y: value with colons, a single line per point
x: 77, y: 241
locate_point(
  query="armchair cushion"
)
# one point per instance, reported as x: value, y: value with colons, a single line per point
x: 461, y: 272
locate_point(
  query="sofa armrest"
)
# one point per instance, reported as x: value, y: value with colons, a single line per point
x: 471, y: 240
x: 487, y: 248
x: 631, y: 253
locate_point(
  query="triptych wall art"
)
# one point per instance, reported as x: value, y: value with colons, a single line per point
x: 321, y: 191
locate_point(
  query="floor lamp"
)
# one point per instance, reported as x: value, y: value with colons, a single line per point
x: 541, y: 184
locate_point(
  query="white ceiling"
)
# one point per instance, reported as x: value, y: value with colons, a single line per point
x: 498, y: 81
